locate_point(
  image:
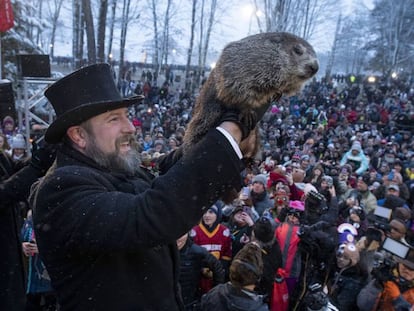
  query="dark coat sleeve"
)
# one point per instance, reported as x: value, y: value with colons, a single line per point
x: 88, y: 212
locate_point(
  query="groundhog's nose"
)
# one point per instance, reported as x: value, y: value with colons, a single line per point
x: 313, y: 67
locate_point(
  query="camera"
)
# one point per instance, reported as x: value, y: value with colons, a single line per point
x: 316, y: 202
x: 384, y: 260
x: 380, y: 218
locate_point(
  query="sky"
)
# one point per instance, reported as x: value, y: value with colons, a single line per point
x: 236, y: 24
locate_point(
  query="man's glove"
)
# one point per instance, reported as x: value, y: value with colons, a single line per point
x: 245, y: 120
x: 392, y: 289
x: 43, y: 157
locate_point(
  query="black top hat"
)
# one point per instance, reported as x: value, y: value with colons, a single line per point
x: 81, y: 95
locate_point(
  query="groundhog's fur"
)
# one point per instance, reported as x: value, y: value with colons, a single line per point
x: 251, y: 73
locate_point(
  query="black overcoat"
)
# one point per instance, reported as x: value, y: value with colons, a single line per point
x: 109, y: 241
x: 16, y: 180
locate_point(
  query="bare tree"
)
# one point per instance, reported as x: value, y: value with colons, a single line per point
x: 77, y: 34
x: 299, y: 17
x: 103, y: 10
x: 111, y: 29
x: 333, y: 50
x: 153, y: 7
x: 54, y: 13
x: 90, y: 31
x: 191, y: 45
x: 392, y: 24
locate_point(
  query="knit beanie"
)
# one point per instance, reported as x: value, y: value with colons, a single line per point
x: 18, y: 142
x: 356, y: 145
x: 264, y: 229
x: 247, y: 266
x: 260, y: 178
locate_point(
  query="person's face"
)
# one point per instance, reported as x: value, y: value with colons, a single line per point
x: 9, y: 127
x: 209, y: 218
x: 172, y: 143
x: 395, y: 234
x: 111, y: 126
x: 324, y: 184
x: 18, y: 152
x: 361, y: 185
x: 109, y: 140
x: 406, y: 272
x: 258, y: 187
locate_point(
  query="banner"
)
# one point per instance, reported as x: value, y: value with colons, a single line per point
x: 6, y: 15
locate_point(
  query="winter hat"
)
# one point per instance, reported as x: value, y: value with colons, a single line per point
x: 18, y: 142
x: 8, y: 119
x: 394, y: 187
x: 260, y: 178
x: 347, y: 233
x: 365, y: 178
x: 356, y: 145
x: 264, y: 229
x: 274, y: 178
x: 247, y: 266
x: 349, y: 251
x: 393, y: 201
x: 297, y: 205
x: 216, y: 209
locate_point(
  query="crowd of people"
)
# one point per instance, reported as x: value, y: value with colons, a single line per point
x: 333, y: 181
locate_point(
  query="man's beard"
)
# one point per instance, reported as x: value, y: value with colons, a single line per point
x: 126, y: 163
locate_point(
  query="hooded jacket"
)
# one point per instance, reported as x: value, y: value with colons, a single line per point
x: 226, y: 297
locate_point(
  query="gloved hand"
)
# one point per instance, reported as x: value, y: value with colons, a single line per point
x: 245, y: 120
x: 43, y: 157
x: 392, y: 289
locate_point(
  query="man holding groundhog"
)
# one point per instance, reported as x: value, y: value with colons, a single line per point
x: 105, y: 231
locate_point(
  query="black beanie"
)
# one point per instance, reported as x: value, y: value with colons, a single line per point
x: 263, y: 229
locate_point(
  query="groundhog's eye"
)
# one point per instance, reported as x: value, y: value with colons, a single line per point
x: 298, y: 50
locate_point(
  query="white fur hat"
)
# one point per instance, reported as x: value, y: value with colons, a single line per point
x: 18, y: 142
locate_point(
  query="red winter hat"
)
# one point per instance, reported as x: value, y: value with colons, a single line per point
x: 274, y: 178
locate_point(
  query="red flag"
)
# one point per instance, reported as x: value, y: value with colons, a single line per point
x: 6, y: 15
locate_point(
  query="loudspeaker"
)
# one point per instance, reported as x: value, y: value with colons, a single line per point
x: 7, y: 104
x: 32, y: 65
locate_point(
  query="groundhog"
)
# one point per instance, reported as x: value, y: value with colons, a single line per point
x: 250, y: 74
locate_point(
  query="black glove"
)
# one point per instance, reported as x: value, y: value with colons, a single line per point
x: 43, y: 157
x: 245, y: 120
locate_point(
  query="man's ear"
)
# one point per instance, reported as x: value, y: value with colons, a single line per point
x: 78, y: 135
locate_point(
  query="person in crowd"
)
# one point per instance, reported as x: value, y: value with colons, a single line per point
x: 40, y: 294
x: 239, y: 294
x: 392, y: 288
x: 216, y: 238
x: 105, y: 231
x: 19, y: 148
x: 348, y: 279
x: 287, y: 236
x: 398, y: 231
x: 264, y: 235
x: 9, y: 128
x: 260, y: 196
x: 367, y: 198
x: 194, y: 260
x: 368, y: 245
x: 4, y: 144
x: 15, y: 182
x: 240, y: 225
x: 356, y: 157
